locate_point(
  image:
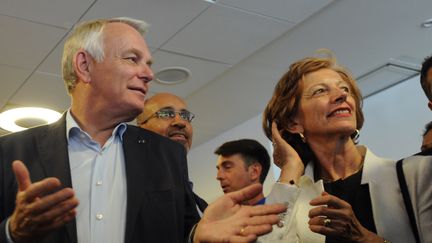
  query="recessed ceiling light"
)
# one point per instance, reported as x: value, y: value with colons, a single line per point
x: 172, y: 75
x: 9, y: 118
x: 427, y: 23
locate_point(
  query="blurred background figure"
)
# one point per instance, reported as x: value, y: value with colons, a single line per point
x: 427, y: 137
x: 241, y: 163
x: 426, y: 79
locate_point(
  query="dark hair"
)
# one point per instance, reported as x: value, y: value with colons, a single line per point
x: 252, y: 152
x: 428, y: 127
x: 426, y: 65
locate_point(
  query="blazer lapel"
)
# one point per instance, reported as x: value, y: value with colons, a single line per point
x: 53, y: 150
x: 135, y: 147
x: 387, y: 204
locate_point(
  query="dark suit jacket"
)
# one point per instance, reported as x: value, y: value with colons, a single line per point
x: 160, y: 204
x: 201, y: 203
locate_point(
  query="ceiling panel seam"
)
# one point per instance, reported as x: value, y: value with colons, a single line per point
x: 195, y: 57
x: 48, y: 54
x: 34, y: 22
x: 184, y: 26
x: 276, y: 19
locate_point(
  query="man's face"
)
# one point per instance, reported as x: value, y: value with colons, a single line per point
x: 176, y: 128
x: 120, y: 81
x: 232, y: 173
x: 427, y: 141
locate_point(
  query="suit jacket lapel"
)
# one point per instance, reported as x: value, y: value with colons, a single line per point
x: 53, y: 150
x: 135, y: 147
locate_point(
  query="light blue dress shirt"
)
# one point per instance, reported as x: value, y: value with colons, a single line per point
x: 99, y: 180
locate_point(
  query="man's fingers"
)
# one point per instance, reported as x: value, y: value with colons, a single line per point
x: 42, y: 188
x: 60, y: 211
x: 55, y: 200
x: 245, y: 194
x: 57, y: 222
x: 267, y: 209
x: 255, y: 230
x: 241, y: 239
x: 263, y: 220
x: 21, y: 174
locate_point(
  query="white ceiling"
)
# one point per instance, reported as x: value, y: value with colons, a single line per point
x: 235, y: 49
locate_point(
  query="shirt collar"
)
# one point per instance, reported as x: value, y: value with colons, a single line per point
x: 72, y: 127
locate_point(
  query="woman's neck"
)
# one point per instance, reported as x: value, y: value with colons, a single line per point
x: 337, y: 158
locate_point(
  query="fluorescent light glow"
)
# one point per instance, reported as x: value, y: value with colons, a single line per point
x: 427, y: 23
x: 8, y: 118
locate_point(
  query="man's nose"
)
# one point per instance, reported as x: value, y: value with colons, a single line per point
x: 178, y: 121
x: 146, y: 73
x: 219, y: 175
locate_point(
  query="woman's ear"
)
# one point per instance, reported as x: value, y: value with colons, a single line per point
x: 294, y: 127
x: 81, y: 65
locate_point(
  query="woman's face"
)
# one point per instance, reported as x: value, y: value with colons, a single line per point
x: 327, y: 106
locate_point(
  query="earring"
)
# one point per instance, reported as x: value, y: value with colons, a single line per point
x: 355, y: 136
x: 302, y: 137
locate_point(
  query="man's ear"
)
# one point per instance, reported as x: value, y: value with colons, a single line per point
x: 81, y: 65
x: 255, y: 171
x: 430, y: 105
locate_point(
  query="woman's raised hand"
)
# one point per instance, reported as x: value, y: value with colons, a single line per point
x: 286, y: 158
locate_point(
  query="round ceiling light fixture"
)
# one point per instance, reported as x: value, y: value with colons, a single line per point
x: 172, y: 75
x: 427, y: 23
x: 27, y: 115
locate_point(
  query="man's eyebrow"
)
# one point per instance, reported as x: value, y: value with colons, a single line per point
x: 167, y: 108
x: 140, y: 54
x: 226, y: 162
x: 150, y: 62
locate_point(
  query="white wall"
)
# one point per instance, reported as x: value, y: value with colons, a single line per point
x: 394, y: 122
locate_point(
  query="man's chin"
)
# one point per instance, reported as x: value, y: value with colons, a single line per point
x: 181, y: 141
x: 226, y: 190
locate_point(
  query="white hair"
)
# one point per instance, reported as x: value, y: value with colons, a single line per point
x: 88, y: 36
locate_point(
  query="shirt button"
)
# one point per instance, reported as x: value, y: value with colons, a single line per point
x: 99, y: 216
x: 99, y: 183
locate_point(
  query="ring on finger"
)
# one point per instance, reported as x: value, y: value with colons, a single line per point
x: 327, y: 222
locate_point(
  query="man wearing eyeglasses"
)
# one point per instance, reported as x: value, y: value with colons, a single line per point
x: 90, y: 177
x: 167, y: 115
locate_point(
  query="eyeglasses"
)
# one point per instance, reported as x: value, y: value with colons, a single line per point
x: 170, y: 114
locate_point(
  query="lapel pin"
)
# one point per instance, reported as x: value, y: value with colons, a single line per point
x: 141, y: 141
